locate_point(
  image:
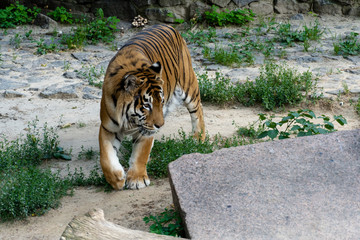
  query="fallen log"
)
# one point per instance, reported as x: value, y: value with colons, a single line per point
x: 94, y: 226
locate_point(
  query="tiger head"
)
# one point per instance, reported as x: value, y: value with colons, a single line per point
x: 145, y: 112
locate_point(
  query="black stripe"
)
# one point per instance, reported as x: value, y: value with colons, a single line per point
x: 114, y: 99
x: 105, y: 129
x: 116, y: 71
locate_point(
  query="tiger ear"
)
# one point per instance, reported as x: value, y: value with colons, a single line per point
x: 156, y: 67
x: 130, y: 83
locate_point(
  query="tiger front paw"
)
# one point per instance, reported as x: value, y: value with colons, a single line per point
x: 115, y: 178
x: 136, y: 180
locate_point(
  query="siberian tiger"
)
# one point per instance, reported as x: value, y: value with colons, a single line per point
x: 146, y: 76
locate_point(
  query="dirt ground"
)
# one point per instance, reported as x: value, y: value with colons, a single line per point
x: 127, y: 207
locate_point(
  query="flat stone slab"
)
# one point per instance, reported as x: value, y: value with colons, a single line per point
x: 302, y: 188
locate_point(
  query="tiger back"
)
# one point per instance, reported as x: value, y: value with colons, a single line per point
x: 143, y: 80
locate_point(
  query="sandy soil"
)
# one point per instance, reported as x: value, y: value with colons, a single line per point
x: 126, y: 208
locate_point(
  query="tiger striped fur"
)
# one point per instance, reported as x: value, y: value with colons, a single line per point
x: 149, y: 73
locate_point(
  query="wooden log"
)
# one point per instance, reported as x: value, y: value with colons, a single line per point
x: 94, y: 226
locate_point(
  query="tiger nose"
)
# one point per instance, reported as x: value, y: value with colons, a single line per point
x: 158, y: 125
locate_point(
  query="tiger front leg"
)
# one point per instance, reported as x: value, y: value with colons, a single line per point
x: 137, y: 177
x: 112, y: 169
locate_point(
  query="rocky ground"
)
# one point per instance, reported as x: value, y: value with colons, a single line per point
x: 54, y: 88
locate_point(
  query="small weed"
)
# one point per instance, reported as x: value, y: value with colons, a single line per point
x: 17, y: 14
x: 200, y: 37
x: 276, y: 86
x: 167, y: 223
x: 298, y: 123
x: 43, y: 48
x: 236, y: 17
x: 357, y: 106
x: 16, y: 40
x: 67, y: 65
x: 252, y: 131
x: 176, y: 20
x: 92, y: 75
x: 62, y: 15
x: 88, y: 154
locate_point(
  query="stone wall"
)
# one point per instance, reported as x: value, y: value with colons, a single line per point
x: 186, y: 9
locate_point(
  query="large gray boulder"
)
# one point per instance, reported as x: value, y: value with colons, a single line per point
x: 303, y: 188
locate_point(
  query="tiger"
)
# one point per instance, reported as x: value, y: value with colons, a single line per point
x: 149, y: 74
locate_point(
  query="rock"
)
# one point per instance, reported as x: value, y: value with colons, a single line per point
x: 94, y: 226
x: 307, y: 186
x: 91, y: 93
x: 13, y: 94
x: 10, y: 85
x: 298, y: 16
x: 326, y: 7
x: 70, y: 75
x: 354, y: 59
x: 291, y: 7
x: 242, y: 3
x: 66, y: 92
x: 162, y: 14
x: 169, y: 3
x: 45, y: 22
x: 262, y: 8
x: 220, y: 3
x: 81, y: 56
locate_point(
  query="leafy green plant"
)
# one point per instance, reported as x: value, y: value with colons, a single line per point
x: 349, y: 45
x: 276, y: 87
x: 167, y: 223
x: 286, y: 35
x: 298, y: 123
x: 28, y: 35
x: 62, y: 15
x: 218, y: 90
x: 17, y: 14
x: 101, y: 28
x: 236, y: 17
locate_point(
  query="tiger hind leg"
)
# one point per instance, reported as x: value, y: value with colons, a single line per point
x: 137, y: 177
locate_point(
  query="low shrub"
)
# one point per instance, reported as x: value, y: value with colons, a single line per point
x: 237, y: 17
x: 100, y: 29
x: 219, y: 90
x: 276, y: 87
